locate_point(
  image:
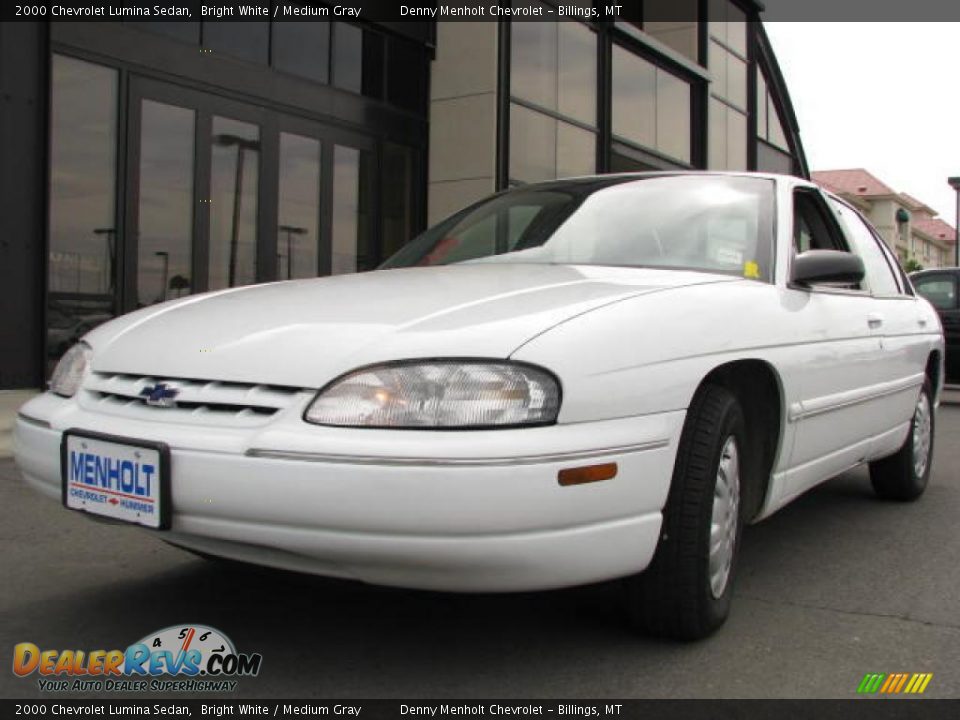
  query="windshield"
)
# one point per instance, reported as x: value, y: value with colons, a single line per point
x: 711, y: 223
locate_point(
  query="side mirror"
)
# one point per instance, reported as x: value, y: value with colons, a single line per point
x: 816, y: 267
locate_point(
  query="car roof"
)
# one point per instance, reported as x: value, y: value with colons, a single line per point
x: 599, y: 181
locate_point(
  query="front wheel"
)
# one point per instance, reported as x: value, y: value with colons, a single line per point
x: 686, y: 591
x: 904, y: 476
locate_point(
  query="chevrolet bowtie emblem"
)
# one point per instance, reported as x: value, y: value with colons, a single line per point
x: 160, y: 395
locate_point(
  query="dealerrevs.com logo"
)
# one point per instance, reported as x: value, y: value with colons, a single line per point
x: 180, y: 658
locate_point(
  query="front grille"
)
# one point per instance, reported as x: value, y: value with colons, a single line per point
x: 199, y: 401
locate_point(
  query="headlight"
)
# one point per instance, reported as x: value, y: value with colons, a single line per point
x: 439, y: 394
x: 69, y: 371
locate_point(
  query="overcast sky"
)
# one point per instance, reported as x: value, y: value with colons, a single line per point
x: 881, y: 96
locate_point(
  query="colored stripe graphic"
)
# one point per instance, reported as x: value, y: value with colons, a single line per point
x: 894, y: 683
x: 870, y: 683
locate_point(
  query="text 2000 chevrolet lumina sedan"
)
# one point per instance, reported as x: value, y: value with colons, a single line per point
x: 565, y: 383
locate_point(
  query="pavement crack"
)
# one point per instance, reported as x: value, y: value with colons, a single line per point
x: 841, y: 611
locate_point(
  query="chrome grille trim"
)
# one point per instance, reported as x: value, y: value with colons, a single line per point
x: 197, y: 400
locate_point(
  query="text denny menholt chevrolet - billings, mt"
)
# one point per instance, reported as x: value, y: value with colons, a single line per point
x: 534, y: 10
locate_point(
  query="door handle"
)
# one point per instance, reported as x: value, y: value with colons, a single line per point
x: 874, y: 320
x: 922, y: 323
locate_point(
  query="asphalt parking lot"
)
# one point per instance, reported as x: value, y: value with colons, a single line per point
x: 837, y: 585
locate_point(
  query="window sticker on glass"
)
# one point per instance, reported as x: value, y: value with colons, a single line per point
x: 728, y: 255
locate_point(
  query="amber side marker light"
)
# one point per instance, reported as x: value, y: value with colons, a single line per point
x: 588, y: 474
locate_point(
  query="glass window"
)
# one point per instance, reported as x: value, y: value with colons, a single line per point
x: 811, y: 229
x: 727, y: 120
x: 776, y: 135
x: 769, y: 125
x: 406, y: 75
x: 165, y: 232
x: 634, y: 97
x: 298, y: 207
x: 351, y: 247
x: 398, y: 183
x: 940, y: 290
x: 709, y: 223
x: 880, y: 278
x: 729, y: 76
x: 234, y: 182
x: 302, y: 48
x: 769, y: 159
x: 188, y: 32
x: 82, y: 230
x: 727, y: 23
x: 716, y: 135
x: 727, y: 137
x: 736, y: 140
x: 674, y: 23
x: 544, y: 148
x: 736, y: 82
x: 761, y: 105
x: 651, y: 107
x: 348, y: 57
x: 673, y: 116
x: 245, y: 40
x: 624, y: 158
x: 554, y: 65
x: 374, y: 55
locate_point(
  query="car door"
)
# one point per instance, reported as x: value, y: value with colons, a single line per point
x: 940, y: 288
x: 903, y: 325
x: 832, y: 417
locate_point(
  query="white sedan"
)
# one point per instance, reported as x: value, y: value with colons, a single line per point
x: 565, y: 383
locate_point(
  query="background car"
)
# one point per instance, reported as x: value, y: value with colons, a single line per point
x: 940, y: 288
x: 565, y: 383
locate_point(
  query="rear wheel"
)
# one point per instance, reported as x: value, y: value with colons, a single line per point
x: 686, y: 591
x: 904, y: 476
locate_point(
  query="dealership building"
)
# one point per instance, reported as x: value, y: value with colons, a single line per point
x: 146, y: 161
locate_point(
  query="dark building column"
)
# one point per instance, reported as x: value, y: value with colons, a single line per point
x: 24, y: 58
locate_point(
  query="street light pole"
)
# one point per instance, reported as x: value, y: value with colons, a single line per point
x: 166, y: 269
x: 242, y: 145
x: 955, y: 184
x: 291, y: 230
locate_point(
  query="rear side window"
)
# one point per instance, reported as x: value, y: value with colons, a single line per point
x: 940, y: 290
x: 880, y: 278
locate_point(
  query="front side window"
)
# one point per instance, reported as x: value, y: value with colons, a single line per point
x: 880, y: 279
x: 713, y: 224
x: 812, y: 229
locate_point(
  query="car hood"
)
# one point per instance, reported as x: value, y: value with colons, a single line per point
x: 303, y: 333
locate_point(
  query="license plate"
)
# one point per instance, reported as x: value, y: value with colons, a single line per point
x: 120, y: 478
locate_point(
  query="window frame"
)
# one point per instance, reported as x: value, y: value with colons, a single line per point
x: 833, y: 228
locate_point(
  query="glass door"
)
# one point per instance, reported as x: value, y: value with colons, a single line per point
x: 221, y: 194
x: 83, y: 219
x: 233, y: 202
x: 165, y: 203
x: 193, y: 199
x: 325, y: 201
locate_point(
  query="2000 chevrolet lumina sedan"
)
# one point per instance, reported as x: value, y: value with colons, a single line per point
x: 565, y: 383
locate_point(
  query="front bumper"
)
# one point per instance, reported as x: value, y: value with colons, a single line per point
x: 481, y: 511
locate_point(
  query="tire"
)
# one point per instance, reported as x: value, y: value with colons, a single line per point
x: 680, y: 595
x: 904, y: 476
